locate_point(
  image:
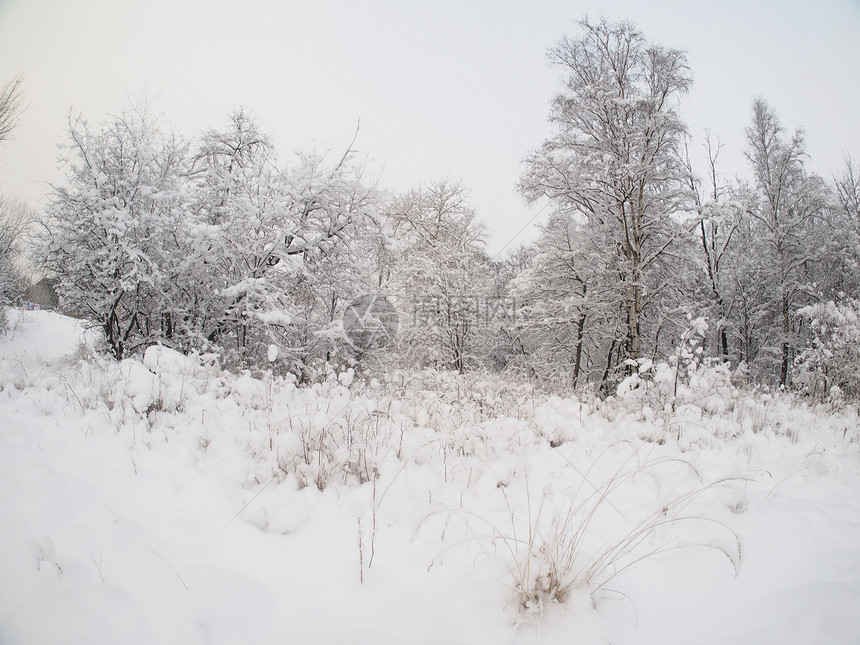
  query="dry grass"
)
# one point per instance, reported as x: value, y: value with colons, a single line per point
x: 569, y: 545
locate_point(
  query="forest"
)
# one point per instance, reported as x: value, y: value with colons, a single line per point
x: 213, y: 245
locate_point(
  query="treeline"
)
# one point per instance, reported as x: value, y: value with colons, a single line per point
x: 214, y: 245
x: 639, y: 245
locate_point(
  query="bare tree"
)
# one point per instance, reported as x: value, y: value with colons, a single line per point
x: 848, y: 219
x: 848, y: 192
x: 10, y: 106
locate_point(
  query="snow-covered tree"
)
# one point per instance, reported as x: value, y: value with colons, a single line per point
x: 238, y: 205
x: 335, y: 235
x: 719, y: 219
x: 748, y: 335
x: 615, y: 161
x: 846, y: 219
x: 15, y: 216
x: 566, y: 306
x: 282, y: 246
x: 786, y: 207
x: 442, y: 277
x: 112, y: 227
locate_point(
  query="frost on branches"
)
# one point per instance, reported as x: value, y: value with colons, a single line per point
x: 217, y: 250
x: 215, y: 245
x: 614, y: 161
x: 113, y: 227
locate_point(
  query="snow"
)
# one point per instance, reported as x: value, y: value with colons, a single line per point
x: 166, y: 501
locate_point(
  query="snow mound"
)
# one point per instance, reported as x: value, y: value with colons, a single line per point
x: 44, y: 336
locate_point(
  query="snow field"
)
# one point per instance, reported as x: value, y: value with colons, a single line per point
x: 167, y: 501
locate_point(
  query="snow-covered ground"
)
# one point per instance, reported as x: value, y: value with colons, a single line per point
x: 165, y: 501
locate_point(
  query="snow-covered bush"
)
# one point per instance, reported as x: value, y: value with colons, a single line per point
x: 685, y: 380
x: 830, y: 366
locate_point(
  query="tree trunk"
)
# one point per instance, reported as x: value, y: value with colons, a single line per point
x: 580, y: 329
x: 605, y: 380
x: 634, y: 311
x: 786, y: 345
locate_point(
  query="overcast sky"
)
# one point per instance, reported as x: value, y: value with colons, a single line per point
x: 450, y: 88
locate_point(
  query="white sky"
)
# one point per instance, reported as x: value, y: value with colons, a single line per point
x: 443, y: 88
